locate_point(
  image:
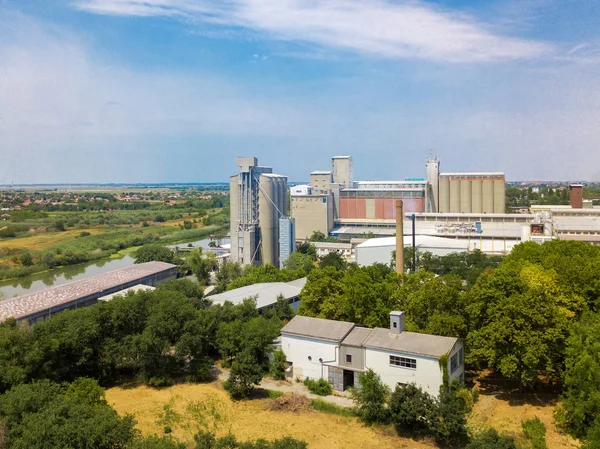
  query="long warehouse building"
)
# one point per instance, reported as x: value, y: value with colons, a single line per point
x: 40, y: 305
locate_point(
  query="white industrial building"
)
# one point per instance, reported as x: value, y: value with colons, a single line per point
x: 339, y: 351
x: 346, y: 250
x: 266, y: 294
x: 379, y: 250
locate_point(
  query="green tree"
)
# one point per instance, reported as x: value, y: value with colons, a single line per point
x: 299, y: 261
x: 26, y: 259
x: 520, y: 317
x: 580, y: 405
x: 307, y: 249
x: 227, y: 273
x: 154, y: 252
x: 155, y: 442
x: 450, y: 424
x: 412, y: 409
x: 334, y: 260
x: 371, y: 398
x: 278, y: 364
x: 245, y: 374
x: 202, y: 265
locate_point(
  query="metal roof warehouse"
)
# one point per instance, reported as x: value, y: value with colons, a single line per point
x: 39, y: 305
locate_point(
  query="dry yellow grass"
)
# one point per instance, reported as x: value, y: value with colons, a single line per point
x: 188, y: 408
x: 38, y: 242
x: 498, y: 412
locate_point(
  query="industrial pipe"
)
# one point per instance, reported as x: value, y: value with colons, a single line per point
x: 399, y: 237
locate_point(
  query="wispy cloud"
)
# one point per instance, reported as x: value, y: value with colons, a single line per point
x: 409, y: 29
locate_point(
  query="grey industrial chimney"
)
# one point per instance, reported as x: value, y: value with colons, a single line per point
x: 399, y: 237
x: 396, y: 322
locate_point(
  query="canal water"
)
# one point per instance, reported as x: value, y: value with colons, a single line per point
x: 60, y: 276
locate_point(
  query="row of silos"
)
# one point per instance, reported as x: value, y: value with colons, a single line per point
x: 472, y: 193
x: 272, y: 205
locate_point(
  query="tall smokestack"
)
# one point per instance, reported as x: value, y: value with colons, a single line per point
x: 399, y: 237
x: 576, y: 195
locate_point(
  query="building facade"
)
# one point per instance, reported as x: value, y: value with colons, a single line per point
x: 339, y: 351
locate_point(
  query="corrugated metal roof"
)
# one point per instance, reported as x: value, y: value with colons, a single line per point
x: 318, y: 328
x: 24, y: 306
x: 410, y: 342
x: 266, y: 293
x: 357, y: 337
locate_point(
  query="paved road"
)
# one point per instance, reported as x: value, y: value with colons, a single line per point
x: 295, y: 387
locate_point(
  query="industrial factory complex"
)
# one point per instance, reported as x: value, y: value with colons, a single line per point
x: 464, y: 211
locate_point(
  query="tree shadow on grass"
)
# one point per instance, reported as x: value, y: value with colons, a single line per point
x: 491, y: 383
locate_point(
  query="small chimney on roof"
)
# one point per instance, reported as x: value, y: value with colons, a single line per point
x: 396, y: 322
x: 576, y: 196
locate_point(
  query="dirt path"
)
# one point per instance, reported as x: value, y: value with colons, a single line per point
x: 341, y: 399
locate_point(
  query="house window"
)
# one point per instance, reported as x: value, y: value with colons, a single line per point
x: 403, y: 362
x: 348, y: 358
x: 454, y: 362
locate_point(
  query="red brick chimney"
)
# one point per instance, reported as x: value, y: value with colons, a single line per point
x: 576, y: 196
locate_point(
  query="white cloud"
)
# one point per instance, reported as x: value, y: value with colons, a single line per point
x: 381, y: 28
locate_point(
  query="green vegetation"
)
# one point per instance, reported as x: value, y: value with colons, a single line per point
x: 372, y: 398
x: 333, y: 409
x: 491, y: 439
x: 319, y: 387
x: 535, y: 431
x: 207, y: 440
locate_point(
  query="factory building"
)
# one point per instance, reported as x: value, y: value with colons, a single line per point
x: 259, y: 199
x: 337, y: 205
x: 37, y: 306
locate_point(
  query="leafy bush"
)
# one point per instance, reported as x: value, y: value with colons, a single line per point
x: 535, y: 431
x: 84, y: 234
x: 491, y: 439
x: 278, y: 364
x: 207, y: 440
x: 371, y: 398
x: 412, y: 409
x: 320, y: 387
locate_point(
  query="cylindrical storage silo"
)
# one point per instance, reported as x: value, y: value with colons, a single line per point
x: 487, y: 191
x: 465, y: 196
x: 266, y: 214
x: 454, y: 195
x: 499, y: 196
x: 444, y: 199
x: 476, y: 203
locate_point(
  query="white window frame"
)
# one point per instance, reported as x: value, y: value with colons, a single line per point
x: 403, y: 362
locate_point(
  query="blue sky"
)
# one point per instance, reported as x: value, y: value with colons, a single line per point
x: 174, y: 90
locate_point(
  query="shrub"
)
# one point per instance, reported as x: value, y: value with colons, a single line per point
x: 167, y: 429
x: 475, y: 394
x: 26, y: 259
x: 491, y: 439
x: 535, y: 431
x: 450, y: 423
x: 320, y: 387
x: 371, y: 398
x: 412, y: 409
x: 277, y: 365
x: 84, y: 234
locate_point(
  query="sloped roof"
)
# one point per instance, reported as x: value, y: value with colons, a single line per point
x: 266, y: 293
x: 318, y: 328
x: 357, y: 337
x: 410, y: 342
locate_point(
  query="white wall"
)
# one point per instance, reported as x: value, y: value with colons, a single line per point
x: 298, y: 349
x: 461, y: 368
x: 428, y: 374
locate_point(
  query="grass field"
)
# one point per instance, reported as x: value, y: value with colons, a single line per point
x: 187, y: 408
x: 39, y: 242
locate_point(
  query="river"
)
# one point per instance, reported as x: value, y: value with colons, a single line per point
x: 60, y: 276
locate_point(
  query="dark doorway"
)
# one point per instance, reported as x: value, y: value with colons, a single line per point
x: 348, y: 379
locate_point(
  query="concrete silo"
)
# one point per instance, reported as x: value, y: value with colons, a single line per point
x: 465, y: 195
x: 499, y: 195
x: 454, y: 194
x: 487, y: 192
x: 476, y: 196
x: 444, y: 198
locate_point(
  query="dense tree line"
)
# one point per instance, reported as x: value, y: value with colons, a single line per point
x: 532, y: 317
x: 157, y: 337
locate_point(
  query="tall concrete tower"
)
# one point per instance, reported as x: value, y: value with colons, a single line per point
x: 433, y: 176
x: 342, y: 170
x: 258, y: 199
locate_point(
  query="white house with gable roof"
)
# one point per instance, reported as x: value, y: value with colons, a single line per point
x: 339, y: 351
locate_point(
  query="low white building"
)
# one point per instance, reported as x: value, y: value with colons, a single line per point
x: 300, y: 190
x: 379, y: 250
x: 346, y: 250
x: 339, y: 351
